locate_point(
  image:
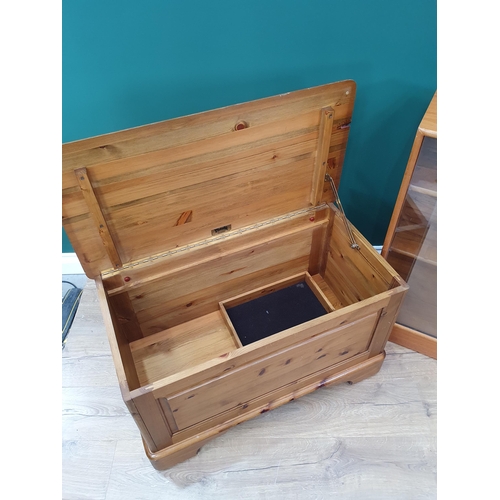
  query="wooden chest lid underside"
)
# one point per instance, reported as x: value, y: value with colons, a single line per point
x: 132, y: 194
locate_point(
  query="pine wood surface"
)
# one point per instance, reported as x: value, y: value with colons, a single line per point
x: 97, y: 215
x: 183, y: 376
x: 416, y: 234
x: 146, y: 179
x: 235, y: 359
x: 410, y: 244
x: 428, y: 125
x: 332, y: 298
x: 270, y: 373
x: 182, y: 346
x: 424, y: 178
x: 186, y: 289
x: 372, y: 440
x: 415, y: 340
x: 348, y: 371
x: 161, y: 268
x: 419, y: 310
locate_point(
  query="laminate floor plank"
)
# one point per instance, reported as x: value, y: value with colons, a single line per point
x: 371, y: 440
x: 95, y: 413
x: 86, y: 469
x: 295, y: 468
x: 89, y: 371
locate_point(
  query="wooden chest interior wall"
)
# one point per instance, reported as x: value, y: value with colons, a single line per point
x: 229, y: 282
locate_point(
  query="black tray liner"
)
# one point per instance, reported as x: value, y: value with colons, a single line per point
x: 274, y: 312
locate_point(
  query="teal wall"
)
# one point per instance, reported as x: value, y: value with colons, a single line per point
x: 129, y: 63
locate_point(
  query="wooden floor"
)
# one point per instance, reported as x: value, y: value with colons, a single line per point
x: 372, y: 440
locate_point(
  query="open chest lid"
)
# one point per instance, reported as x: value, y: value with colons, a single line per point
x: 136, y: 193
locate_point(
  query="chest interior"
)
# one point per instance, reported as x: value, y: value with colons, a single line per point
x: 198, y: 305
x: 215, y: 235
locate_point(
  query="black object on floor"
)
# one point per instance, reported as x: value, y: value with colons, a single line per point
x: 277, y: 311
x: 70, y: 303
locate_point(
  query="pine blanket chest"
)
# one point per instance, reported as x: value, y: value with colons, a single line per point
x: 229, y: 279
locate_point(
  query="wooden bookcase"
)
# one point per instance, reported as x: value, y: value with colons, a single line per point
x: 410, y: 245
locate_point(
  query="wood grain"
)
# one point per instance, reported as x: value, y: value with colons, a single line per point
x: 158, y: 434
x: 272, y: 372
x: 402, y: 262
x: 97, y: 215
x: 190, y: 292
x: 416, y: 233
x: 178, y: 362
x: 181, y: 347
x: 386, y: 320
x: 229, y: 325
x: 353, y: 374
x: 419, y: 309
x: 276, y: 398
x: 363, y: 267
x: 146, y: 177
x: 126, y: 318
x: 194, y: 371
x: 411, y: 241
x: 415, y: 150
x: 358, y: 468
x: 428, y: 125
x: 264, y: 290
x: 160, y: 267
x: 415, y: 340
x: 204, y: 301
x: 96, y: 459
x: 316, y: 255
x: 185, y: 217
x: 427, y: 128
x: 332, y: 298
x: 92, y: 413
x: 381, y: 430
x: 318, y: 292
x: 221, y: 365
x: 120, y: 349
x: 279, y: 285
x: 322, y: 150
x: 355, y: 275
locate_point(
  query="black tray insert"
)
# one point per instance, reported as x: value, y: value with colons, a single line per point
x: 277, y: 311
